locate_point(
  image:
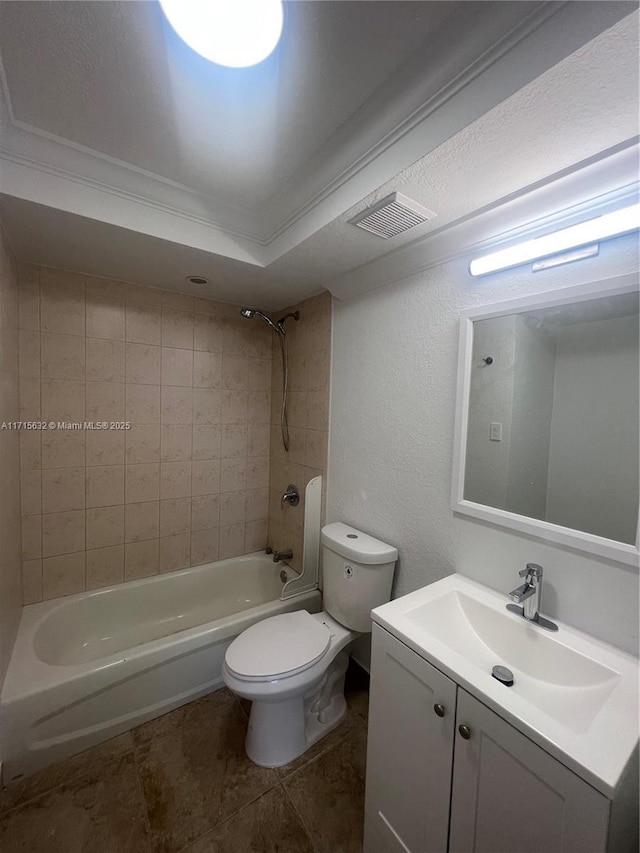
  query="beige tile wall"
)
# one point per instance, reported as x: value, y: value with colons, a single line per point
x: 188, y: 483
x: 309, y: 343
x: 10, y: 569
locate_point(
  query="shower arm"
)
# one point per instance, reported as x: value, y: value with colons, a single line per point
x: 294, y: 314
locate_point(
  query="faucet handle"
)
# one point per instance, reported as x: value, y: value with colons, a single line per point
x: 291, y: 495
x: 531, y: 570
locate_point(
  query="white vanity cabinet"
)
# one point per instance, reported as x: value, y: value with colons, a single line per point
x: 446, y: 773
x: 410, y: 750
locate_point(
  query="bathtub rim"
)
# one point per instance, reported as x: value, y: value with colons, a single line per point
x: 28, y: 675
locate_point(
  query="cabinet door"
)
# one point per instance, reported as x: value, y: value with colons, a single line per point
x: 510, y: 795
x: 410, y: 751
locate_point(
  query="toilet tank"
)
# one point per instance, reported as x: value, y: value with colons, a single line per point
x: 357, y: 573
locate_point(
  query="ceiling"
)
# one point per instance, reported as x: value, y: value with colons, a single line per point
x: 125, y: 154
x: 115, y: 78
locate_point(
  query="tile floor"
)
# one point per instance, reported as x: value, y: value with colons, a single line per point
x: 182, y: 784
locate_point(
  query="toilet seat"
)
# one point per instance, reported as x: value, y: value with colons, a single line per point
x: 278, y: 647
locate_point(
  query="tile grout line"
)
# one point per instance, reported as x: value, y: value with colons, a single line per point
x: 145, y: 807
x: 319, y: 755
x: 353, y: 732
x: 132, y: 749
x: 278, y: 784
x: 298, y: 815
x: 226, y: 820
x: 81, y: 778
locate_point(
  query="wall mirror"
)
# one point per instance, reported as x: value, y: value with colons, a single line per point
x: 547, y: 420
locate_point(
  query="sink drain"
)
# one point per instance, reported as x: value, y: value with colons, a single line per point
x: 503, y: 675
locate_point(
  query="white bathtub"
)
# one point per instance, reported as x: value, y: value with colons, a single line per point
x: 90, y: 666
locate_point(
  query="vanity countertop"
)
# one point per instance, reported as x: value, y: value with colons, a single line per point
x: 573, y: 695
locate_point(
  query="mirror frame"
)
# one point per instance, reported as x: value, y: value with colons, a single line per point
x: 597, y: 546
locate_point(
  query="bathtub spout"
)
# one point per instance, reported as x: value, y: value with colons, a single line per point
x: 282, y: 555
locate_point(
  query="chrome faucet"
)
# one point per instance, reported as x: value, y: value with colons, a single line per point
x: 530, y: 592
x: 282, y: 555
x: 291, y: 496
x: 530, y: 596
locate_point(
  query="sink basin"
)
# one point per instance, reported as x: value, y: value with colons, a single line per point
x: 474, y: 629
x: 572, y: 694
x: 557, y: 679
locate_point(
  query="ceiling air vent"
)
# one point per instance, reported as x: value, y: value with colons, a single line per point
x: 391, y: 216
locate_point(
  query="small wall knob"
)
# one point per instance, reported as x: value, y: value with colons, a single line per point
x: 291, y: 496
x: 465, y: 732
x: 439, y: 709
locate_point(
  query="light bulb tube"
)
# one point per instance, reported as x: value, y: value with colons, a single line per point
x: 614, y: 224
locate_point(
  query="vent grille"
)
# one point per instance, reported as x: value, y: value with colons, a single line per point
x: 391, y: 216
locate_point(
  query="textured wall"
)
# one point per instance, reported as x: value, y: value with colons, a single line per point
x: 10, y: 571
x: 391, y: 442
x: 309, y: 343
x: 188, y: 483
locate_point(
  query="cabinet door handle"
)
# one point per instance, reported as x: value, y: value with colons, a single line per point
x: 465, y: 732
x: 439, y: 709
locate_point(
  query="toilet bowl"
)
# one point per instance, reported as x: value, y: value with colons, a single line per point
x: 292, y: 666
x: 302, y: 697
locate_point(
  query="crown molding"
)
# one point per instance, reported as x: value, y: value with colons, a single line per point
x: 474, y: 85
x: 81, y: 161
x: 594, y: 186
x: 35, y: 154
x: 53, y: 187
x: 406, y: 101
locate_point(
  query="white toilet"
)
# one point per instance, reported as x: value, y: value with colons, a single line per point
x: 292, y: 666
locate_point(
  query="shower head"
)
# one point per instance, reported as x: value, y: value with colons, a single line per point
x: 250, y: 313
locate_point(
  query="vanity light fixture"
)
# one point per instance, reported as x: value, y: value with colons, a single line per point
x: 235, y: 33
x: 614, y: 224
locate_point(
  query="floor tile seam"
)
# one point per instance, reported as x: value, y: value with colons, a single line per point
x: 239, y: 704
x: 298, y: 815
x: 145, y: 805
x: 66, y: 782
x: 319, y: 755
x: 220, y: 823
x: 363, y: 716
x: 141, y: 744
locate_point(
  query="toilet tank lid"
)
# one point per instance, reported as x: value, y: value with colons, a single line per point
x: 356, y: 545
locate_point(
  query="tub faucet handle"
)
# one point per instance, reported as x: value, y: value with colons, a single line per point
x: 292, y: 495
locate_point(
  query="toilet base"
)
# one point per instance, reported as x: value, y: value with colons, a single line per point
x: 279, y: 732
